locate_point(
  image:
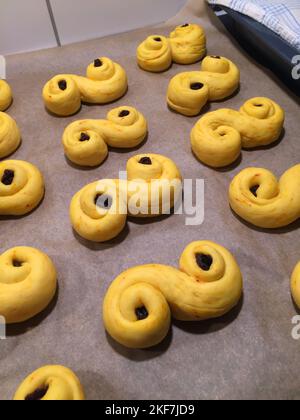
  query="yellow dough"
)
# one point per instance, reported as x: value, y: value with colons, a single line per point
x: 106, y: 82
x: 21, y: 187
x: 27, y: 283
x: 219, y: 136
x: 257, y: 197
x: 51, y: 383
x: 189, y: 92
x: 186, y: 45
x: 155, y: 54
x: 5, y: 95
x: 10, y: 136
x: 295, y: 285
x: 86, y: 142
x: 102, y: 222
x: 139, y: 304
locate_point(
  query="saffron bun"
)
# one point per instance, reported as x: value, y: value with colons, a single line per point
x: 28, y: 283
x: 186, y: 45
x: 155, y: 54
x: 51, y: 383
x: 295, y: 285
x: 5, y: 95
x: 106, y: 81
x: 86, y: 142
x: 21, y: 187
x: 257, y: 197
x: 189, y: 92
x: 218, y: 137
x: 140, y: 302
x: 10, y: 136
x: 99, y: 211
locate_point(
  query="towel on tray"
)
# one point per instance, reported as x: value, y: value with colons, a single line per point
x: 283, y: 18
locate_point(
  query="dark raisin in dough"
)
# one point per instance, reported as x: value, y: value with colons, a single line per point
x: 145, y: 161
x: 38, y: 394
x: 124, y: 113
x: 141, y: 313
x: 217, y: 57
x: 62, y: 84
x: 157, y: 39
x: 204, y: 261
x: 197, y: 86
x: 84, y: 137
x: 17, y: 263
x: 8, y: 177
x: 254, y: 190
x: 98, y: 63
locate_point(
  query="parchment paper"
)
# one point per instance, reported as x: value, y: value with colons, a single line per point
x: 248, y: 354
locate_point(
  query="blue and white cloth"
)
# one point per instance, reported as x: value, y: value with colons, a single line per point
x: 282, y: 17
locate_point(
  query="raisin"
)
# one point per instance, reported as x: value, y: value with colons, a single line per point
x: 145, y: 161
x: 141, y: 313
x: 196, y: 86
x: 8, y: 177
x: 38, y: 394
x: 98, y: 62
x: 62, y: 84
x: 204, y: 261
x: 254, y: 190
x: 124, y: 113
x: 84, y: 137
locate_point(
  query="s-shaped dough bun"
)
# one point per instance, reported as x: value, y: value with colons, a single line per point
x: 257, y: 197
x: 106, y: 82
x: 21, y: 187
x: 51, y: 383
x: 219, y: 136
x: 139, y: 304
x: 295, y: 285
x: 99, y: 211
x: 86, y: 142
x: 5, y: 95
x: 10, y: 136
x: 186, y: 45
x: 27, y: 283
x: 189, y: 92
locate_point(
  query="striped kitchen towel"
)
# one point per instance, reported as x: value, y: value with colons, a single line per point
x: 281, y: 17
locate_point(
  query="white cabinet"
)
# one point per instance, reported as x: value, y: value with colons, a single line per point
x: 78, y: 20
x: 25, y: 25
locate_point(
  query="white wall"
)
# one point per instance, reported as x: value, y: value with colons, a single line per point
x: 25, y: 25
x: 92, y: 18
